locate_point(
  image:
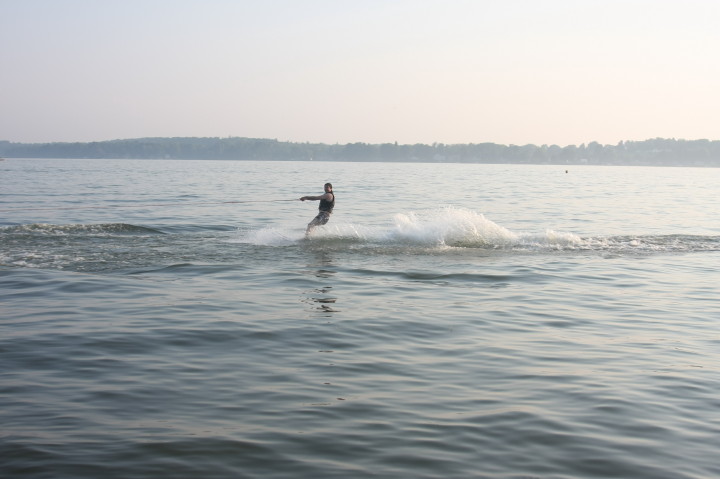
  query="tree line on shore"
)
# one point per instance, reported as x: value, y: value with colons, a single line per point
x: 652, y: 152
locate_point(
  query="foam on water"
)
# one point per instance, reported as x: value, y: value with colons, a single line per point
x: 77, y: 229
x: 452, y: 227
x: 440, y: 228
x: 90, y: 246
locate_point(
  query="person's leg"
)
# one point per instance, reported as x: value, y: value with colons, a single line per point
x: 319, y: 220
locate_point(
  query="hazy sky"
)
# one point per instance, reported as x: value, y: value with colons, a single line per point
x: 339, y: 71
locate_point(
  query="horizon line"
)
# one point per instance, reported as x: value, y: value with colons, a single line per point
x: 346, y: 143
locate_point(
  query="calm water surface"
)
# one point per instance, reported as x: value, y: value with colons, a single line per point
x: 167, y: 319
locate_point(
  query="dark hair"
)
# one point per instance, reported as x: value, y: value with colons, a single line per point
x: 328, y: 184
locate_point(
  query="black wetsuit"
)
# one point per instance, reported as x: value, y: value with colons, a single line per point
x: 326, y: 205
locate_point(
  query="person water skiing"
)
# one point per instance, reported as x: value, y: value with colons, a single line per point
x: 327, y: 203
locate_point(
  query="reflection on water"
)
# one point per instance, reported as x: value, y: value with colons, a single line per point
x: 322, y: 303
x: 320, y: 298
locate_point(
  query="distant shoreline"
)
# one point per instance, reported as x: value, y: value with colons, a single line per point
x: 652, y: 152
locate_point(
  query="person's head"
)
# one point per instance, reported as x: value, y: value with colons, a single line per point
x: 328, y: 187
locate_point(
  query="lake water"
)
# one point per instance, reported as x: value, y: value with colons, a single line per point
x: 166, y: 319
